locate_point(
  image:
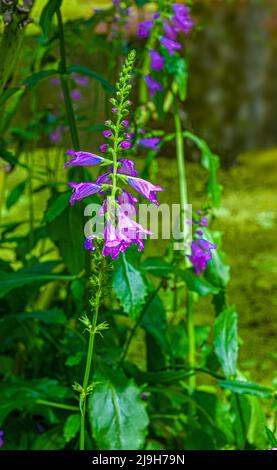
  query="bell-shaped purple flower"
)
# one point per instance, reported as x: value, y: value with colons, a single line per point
x: 145, y: 28
x: 150, y: 143
x: 147, y: 189
x: 170, y: 45
x: 113, y: 242
x: 82, y: 190
x: 201, y: 254
x: 127, y: 202
x: 127, y: 167
x: 107, y: 133
x: 153, y: 86
x: 125, y: 144
x: 130, y: 230
x: 83, y: 159
x: 181, y: 19
x: 103, y: 148
x: 157, y: 61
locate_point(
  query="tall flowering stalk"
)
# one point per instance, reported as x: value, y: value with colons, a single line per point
x: 118, y: 211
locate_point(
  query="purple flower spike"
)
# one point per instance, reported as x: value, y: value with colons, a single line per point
x: 145, y: 28
x: 89, y: 246
x: 157, y: 61
x: 150, y: 143
x: 83, y: 159
x: 201, y: 254
x: 1, y: 438
x: 152, y: 85
x: 127, y: 167
x: 103, y: 147
x: 82, y: 190
x: 76, y: 95
x: 147, y: 189
x: 107, y: 133
x: 170, y: 45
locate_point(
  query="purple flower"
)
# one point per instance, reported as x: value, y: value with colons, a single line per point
x: 113, y: 243
x: 56, y: 136
x: 169, y: 30
x: 55, y: 81
x: 170, y: 45
x: 147, y: 189
x: 201, y: 254
x: 150, y: 143
x: 76, y: 95
x: 129, y: 135
x: 204, y: 221
x: 131, y: 231
x: 89, y: 246
x: 1, y: 438
x: 114, y: 110
x: 152, y: 85
x: 127, y: 167
x: 145, y: 28
x: 107, y: 133
x: 103, y: 147
x: 157, y: 61
x: 125, y: 123
x: 82, y: 190
x: 103, y: 179
x: 83, y: 159
x: 182, y: 20
x: 125, y: 144
x: 128, y: 202
x: 80, y: 79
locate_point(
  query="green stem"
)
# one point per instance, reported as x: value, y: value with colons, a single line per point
x: 57, y: 405
x: 83, y: 400
x: 180, y: 150
x: 64, y: 84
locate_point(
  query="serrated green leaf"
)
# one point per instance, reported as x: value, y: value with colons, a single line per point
x: 129, y: 286
x: 71, y: 427
x: 197, y: 284
x: 226, y: 340
x: 116, y: 413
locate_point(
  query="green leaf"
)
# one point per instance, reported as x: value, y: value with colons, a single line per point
x: 117, y: 414
x: 66, y: 230
x: 156, y: 266
x: 23, y: 277
x: 270, y: 437
x: 49, y: 440
x: 7, y: 94
x: 197, y: 284
x: 247, y: 388
x: 83, y: 70
x: 217, y: 272
x: 37, y: 77
x: 47, y: 15
x: 226, y: 340
x: 55, y: 316
x: 15, y: 194
x: 177, y: 67
x: 129, y: 286
x: 71, y: 427
x: 210, y: 162
x: 56, y: 207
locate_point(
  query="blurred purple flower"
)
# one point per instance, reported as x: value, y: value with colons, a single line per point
x: 88, y: 244
x: 114, y: 110
x: 170, y: 45
x: 80, y: 80
x: 204, y: 221
x: 152, y: 85
x: 76, y: 95
x: 157, y: 61
x: 125, y: 123
x: 103, y: 147
x: 56, y: 136
x: 127, y: 167
x: 169, y: 30
x: 145, y: 28
x: 83, y: 159
x: 150, y: 143
x: 107, y: 133
x: 82, y: 190
x: 1, y: 438
x: 55, y: 81
x: 147, y: 189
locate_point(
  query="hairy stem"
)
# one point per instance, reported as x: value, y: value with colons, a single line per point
x: 83, y: 398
